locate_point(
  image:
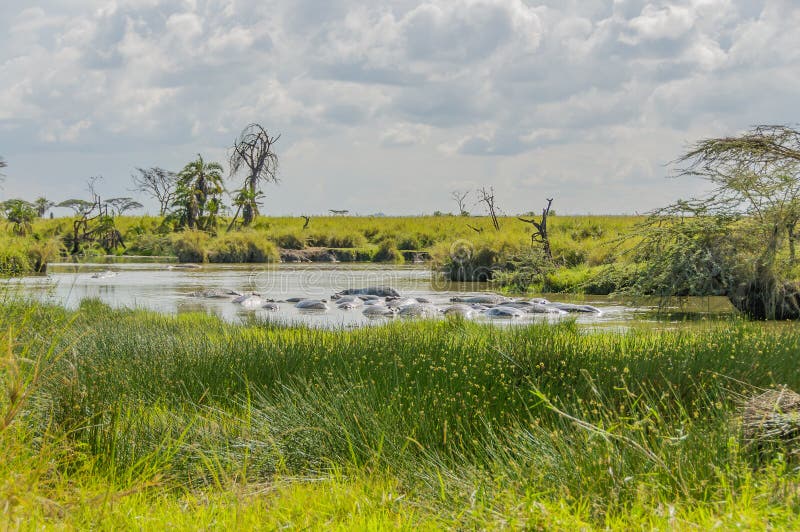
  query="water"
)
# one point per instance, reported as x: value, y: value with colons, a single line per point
x: 167, y: 288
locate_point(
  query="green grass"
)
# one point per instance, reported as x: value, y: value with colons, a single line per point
x: 143, y: 419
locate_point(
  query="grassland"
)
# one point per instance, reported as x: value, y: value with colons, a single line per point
x: 130, y: 419
x: 582, y: 245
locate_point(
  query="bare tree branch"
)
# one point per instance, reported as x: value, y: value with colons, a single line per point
x: 158, y: 183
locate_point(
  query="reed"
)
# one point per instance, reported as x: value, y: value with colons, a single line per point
x: 437, y: 424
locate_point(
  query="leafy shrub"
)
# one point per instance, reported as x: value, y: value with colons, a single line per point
x: 388, y: 252
x: 44, y: 251
x: 191, y: 246
x: 14, y: 260
x: 151, y: 245
x: 289, y: 240
x: 242, y: 247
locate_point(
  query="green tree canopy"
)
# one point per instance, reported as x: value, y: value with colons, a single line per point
x: 198, y: 194
x: 739, y: 239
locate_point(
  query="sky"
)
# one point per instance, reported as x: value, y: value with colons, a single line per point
x: 389, y: 106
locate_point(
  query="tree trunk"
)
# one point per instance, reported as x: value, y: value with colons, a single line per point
x: 768, y: 300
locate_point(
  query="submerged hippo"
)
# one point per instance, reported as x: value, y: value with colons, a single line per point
x: 459, y: 309
x: 504, y: 312
x: 571, y: 307
x: 533, y: 308
x: 104, y: 275
x: 349, y: 304
x: 249, y: 301
x: 270, y: 306
x: 483, y: 299
x: 401, y: 302
x: 216, y: 293
x: 312, y: 304
x: 295, y: 299
x: 418, y: 310
x: 379, y: 311
x: 380, y: 291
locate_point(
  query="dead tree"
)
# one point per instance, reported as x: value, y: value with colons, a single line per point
x: 460, y: 197
x: 307, y: 221
x: 541, y: 235
x: 94, y: 224
x: 253, y: 152
x: 487, y: 197
x: 158, y: 183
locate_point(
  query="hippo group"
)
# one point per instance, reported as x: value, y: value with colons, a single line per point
x: 386, y: 302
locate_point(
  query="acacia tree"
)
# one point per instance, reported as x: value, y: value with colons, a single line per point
x: 120, y: 206
x: 252, y: 152
x: 198, y: 194
x: 157, y: 183
x: 738, y: 240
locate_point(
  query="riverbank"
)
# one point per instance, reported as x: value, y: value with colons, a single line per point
x: 140, y: 419
x: 583, y: 246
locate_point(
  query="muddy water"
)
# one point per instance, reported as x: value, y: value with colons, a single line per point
x: 166, y: 288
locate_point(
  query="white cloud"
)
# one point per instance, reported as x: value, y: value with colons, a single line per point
x: 582, y: 97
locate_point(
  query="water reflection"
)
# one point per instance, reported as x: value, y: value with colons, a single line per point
x: 157, y: 287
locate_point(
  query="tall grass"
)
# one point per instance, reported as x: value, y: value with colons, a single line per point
x: 466, y: 419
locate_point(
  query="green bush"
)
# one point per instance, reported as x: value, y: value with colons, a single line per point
x: 242, y: 247
x: 150, y: 244
x: 44, y: 251
x: 289, y: 240
x: 388, y: 252
x: 191, y: 246
x: 14, y: 261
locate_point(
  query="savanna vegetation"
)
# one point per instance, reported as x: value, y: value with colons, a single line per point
x: 128, y: 419
x: 738, y: 241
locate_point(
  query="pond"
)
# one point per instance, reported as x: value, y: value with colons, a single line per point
x: 171, y: 288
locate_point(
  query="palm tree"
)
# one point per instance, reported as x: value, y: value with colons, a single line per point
x: 42, y: 205
x: 20, y: 215
x: 198, y: 194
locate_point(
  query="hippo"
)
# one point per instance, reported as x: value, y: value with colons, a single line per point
x: 312, y: 304
x: 459, y: 309
x: 422, y: 300
x: 349, y: 299
x: 379, y: 311
x: 418, y: 310
x: 216, y: 293
x: 401, y: 302
x: 367, y: 297
x: 504, y: 312
x: 380, y: 291
x: 533, y: 308
x: 351, y: 304
x: 484, y: 299
x: 570, y: 307
x: 249, y: 301
x: 295, y: 299
x: 270, y: 306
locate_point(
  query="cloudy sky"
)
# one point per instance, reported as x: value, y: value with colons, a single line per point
x: 388, y: 106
